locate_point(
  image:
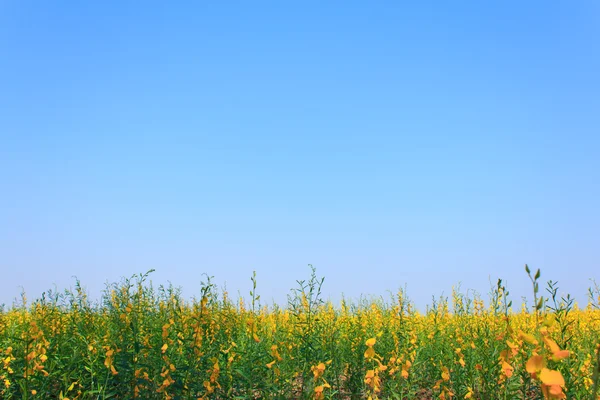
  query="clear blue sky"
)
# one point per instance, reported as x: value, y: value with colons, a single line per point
x: 386, y: 143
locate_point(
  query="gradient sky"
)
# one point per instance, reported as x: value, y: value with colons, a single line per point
x: 386, y: 143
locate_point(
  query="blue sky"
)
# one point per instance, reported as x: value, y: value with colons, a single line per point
x: 388, y: 144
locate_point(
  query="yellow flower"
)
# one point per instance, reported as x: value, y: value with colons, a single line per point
x: 557, y: 353
x: 319, y: 391
x: 528, y: 338
x: 552, y: 384
x: 445, y: 374
x: 318, y: 370
x: 469, y: 393
x: 535, y: 364
x: 507, y: 369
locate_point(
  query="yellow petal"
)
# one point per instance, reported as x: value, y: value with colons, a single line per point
x: 555, y: 390
x: 559, y: 355
x: 445, y: 374
x: 552, y: 345
x: 534, y: 364
x: 527, y: 338
x: 552, y: 377
x: 507, y: 369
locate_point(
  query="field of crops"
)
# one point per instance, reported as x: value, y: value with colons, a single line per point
x: 149, y: 343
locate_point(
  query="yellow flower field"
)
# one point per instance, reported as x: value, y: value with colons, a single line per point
x: 149, y: 343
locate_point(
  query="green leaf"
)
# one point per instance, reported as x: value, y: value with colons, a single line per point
x: 540, y: 304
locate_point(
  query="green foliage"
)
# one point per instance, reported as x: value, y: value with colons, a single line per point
x: 143, y: 342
